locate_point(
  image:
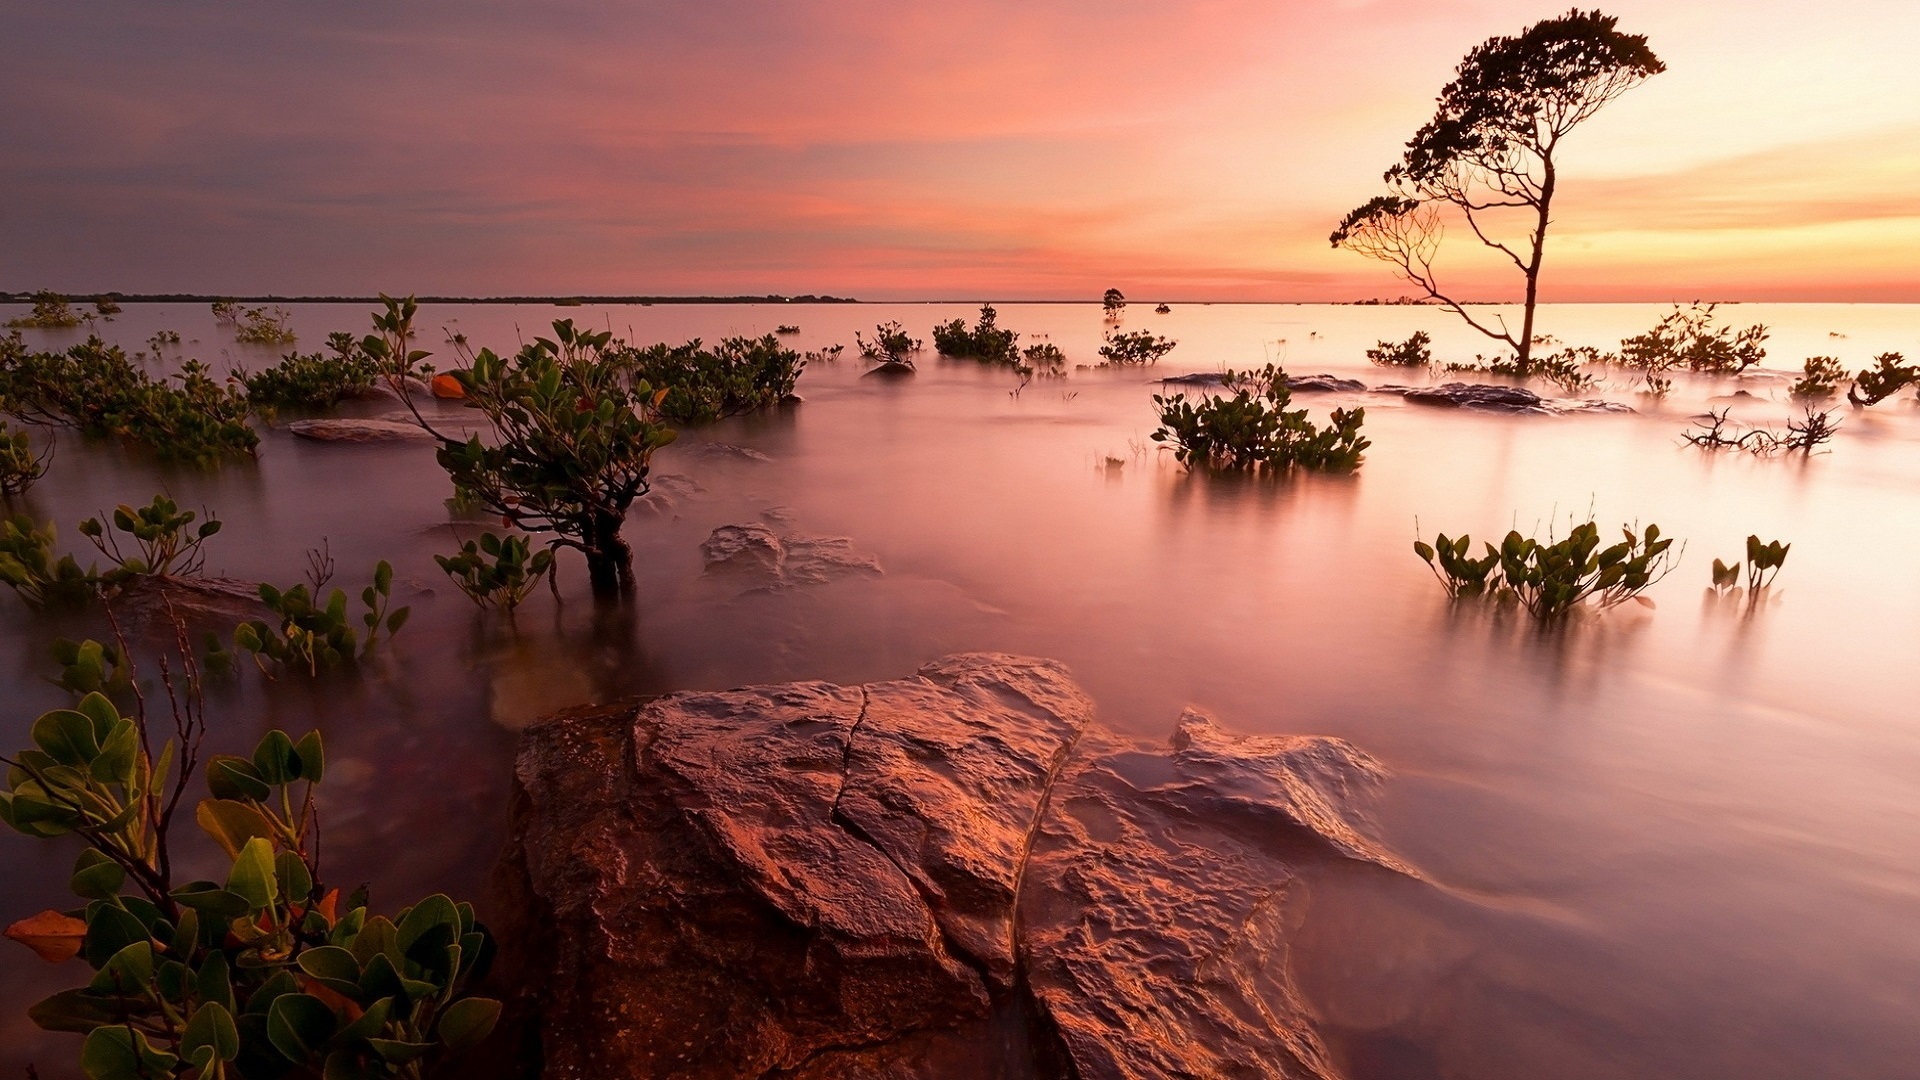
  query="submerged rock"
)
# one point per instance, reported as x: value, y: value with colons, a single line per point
x: 341, y: 429
x: 1482, y: 397
x: 770, y: 559
x: 1306, y: 384
x: 198, y: 603
x: 947, y: 876
x: 719, y: 451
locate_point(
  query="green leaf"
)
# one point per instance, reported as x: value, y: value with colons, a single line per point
x: 312, y: 757
x: 95, y: 876
x: 274, y: 759
x: 66, y: 736
x: 211, y: 1026
x: 333, y: 966
x: 232, y: 823
x: 231, y: 777
x: 126, y: 972
x: 252, y: 877
x: 299, y: 1025
x: 467, y: 1021
x: 209, y: 897
x: 121, y: 1053
x: 437, y: 910
x: 77, y: 1011
x: 399, y: 1052
x: 110, y: 928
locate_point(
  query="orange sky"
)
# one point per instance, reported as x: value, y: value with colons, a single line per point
x: 899, y: 150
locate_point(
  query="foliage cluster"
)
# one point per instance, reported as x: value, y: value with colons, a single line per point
x: 1819, y: 377
x: 267, y: 973
x: 94, y: 388
x: 574, y: 435
x: 1889, y: 375
x: 497, y: 571
x: 314, y: 380
x: 986, y: 342
x: 1763, y: 564
x: 156, y: 540
x: 21, y: 466
x: 1123, y: 348
x: 701, y: 385
x: 51, y: 311
x: 1253, y: 429
x: 1550, y: 578
x: 1413, y: 352
x: 255, y: 326
x: 1690, y: 338
x: 304, y: 635
x: 891, y: 344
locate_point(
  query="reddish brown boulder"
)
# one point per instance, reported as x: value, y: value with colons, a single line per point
x: 946, y: 876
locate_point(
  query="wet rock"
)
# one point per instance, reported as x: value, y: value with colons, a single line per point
x: 1306, y: 384
x: 1481, y: 397
x: 666, y: 491
x: 758, y: 554
x: 719, y: 451
x: 891, y: 369
x: 953, y: 875
x: 1324, y: 384
x: 197, y: 602
x: 342, y: 429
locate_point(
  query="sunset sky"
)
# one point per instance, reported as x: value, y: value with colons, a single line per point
x: 889, y: 149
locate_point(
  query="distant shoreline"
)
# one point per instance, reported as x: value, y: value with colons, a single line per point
x: 557, y: 301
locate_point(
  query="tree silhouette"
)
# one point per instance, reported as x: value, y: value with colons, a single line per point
x: 1488, y: 153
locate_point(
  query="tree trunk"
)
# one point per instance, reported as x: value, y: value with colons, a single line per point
x: 1533, y: 268
x: 609, y: 559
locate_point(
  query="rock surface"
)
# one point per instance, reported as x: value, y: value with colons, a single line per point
x: 1482, y: 397
x: 1306, y: 384
x: 763, y: 558
x: 952, y: 875
x: 341, y: 429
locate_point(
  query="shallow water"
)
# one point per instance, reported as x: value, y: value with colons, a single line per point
x: 1669, y: 842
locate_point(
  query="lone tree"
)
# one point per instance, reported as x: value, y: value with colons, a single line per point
x: 1489, y: 153
x: 1113, y: 301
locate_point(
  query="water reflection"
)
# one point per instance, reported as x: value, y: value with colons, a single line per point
x: 1671, y: 842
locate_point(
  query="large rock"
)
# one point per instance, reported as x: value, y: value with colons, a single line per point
x: 953, y: 875
x: 1483, y: 397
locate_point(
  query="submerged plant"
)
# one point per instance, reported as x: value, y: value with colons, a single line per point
x: 159, y: 539
x: 314, y: 380
x: 573, y: 437
x: 1413, y: 352
x: 1813, y: 430
x: 1763, y: 564
x: 309, y: 636
x: 1253, y: 429
x: 263, y: 973
x: 51, y: 311
x: 41, y: 578
x: 891, y: 344
x: 1689, y: 338
x: 1550, y: 578
x: 1133, y: 348
x: 21, y: 466
x: 825, y: 355
x: 701, y: 385
x: 1889, y: 375
x: 986, y: 342
x: 1820, y: 378
x: 497, y: 571
x: 94, y: 388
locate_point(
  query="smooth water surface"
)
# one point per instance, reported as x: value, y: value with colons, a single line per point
x: 1672, y: 842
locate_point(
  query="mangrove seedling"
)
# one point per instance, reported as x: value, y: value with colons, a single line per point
x: 497, y: 571
x: 1413, y: 352
x: 160, y: 540
x: 1688, y: 338
x: 260, y: 973
x: 51, y: 311
x: 21, y: 466
x: 1459, y: 573
x: 1820, y: 377
x: 891, y: 345
x: 701, y: 385
x: 1113, y: 303
x: 1253, y: 428
x: 786, y: 328
x: 42, y: 579
x: 95, y: 389
x: 1889, y: 375
x: 1763, y: 564
x: 1133, y: 348
x: 314, y: 380
x: 1552, y: 577
x: 307, y: 636
x: 986, y: 342
x: 573, y: 438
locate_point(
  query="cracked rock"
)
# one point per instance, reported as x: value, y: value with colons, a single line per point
x: 958, y: 874
x: 764, y: 558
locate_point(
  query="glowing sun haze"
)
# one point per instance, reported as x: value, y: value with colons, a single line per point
x: 898, y: 150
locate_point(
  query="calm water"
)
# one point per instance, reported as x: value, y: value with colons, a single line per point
x: 1662, y: 843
